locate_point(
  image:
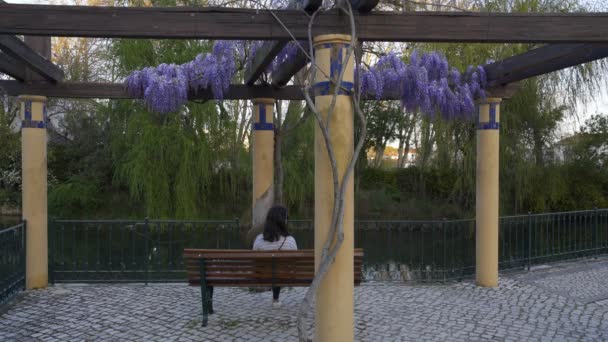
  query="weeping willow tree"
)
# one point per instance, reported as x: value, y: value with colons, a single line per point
x: 297, y: 155
x: 192, y: 163
x: 10, y: 155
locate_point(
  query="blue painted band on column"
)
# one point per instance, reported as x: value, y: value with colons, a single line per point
x: 328, y: 88
x: 330, y: 45
x: 33, y: 124
x: 335, y: 64
x: 28, y: 110
x: 27, y: 121
x: 492, y: 112
x: 492, y: 124
x: 262, y: 112
x: 262, y: 125
x: 488, y: 125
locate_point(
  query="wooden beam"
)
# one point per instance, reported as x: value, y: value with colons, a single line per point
x: 543, y: 60
x: 252, y: 24
x: 41, y: 46
x: 17, y: 70
x: 269, y: 50
x: 285, y: 71
x: 94, y: 90
x: 264, y: 56
x: 18, y: 50
x: 12, y: 67
x: 504, y: 91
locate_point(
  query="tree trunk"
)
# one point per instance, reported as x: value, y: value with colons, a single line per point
x: 410, y: 130
x: 538, y: 148
x: 400, y: 153
x: 379, y: 154
x: 426, y: 143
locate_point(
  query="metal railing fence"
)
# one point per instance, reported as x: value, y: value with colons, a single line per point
x: 151, y: 250
x: 12, y: 261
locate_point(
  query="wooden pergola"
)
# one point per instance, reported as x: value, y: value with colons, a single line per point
x: 571, y: 38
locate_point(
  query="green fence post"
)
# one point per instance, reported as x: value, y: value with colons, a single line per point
x: 204, y: 292
x: 445, y: 250
x: 23, y: 247
x: 529, y: 239
x: 146, y: 249
x: 595, y: 229
x: 51, y: 242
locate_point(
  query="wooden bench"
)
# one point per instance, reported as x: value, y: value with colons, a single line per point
x: 208, y: 268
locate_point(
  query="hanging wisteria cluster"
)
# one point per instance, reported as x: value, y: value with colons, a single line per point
x: 427, y: 84
x: 165, y: 88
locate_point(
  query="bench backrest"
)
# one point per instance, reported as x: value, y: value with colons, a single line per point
x: 256, y: 268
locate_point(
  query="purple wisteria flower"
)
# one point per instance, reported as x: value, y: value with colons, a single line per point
x: 165, y: 88
x: 426, y: 84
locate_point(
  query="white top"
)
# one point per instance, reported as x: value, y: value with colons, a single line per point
x: 289, y: 244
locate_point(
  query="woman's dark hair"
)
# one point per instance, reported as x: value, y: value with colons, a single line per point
x: 276, y: 224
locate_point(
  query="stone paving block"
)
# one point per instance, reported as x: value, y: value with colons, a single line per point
x: 559, y: 303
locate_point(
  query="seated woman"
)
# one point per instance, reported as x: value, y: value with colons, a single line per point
x: 275, y: 237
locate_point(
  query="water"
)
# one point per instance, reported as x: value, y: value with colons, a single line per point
x: 393, y: 250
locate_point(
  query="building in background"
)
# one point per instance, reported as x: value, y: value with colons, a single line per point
x: 390, y: 157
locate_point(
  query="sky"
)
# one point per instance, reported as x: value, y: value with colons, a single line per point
x: 599, y: 105
x: 570, y: 125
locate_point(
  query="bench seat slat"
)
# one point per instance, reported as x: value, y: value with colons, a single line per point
x: 253, y: 267
x: 278, y: 275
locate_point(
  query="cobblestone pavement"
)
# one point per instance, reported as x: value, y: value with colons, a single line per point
x: 565, y: 302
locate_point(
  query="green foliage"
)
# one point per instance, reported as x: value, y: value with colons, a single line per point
x: 170, y: 166
x: 172, y: 163
x: 298, y: 163
x: 10, y: 155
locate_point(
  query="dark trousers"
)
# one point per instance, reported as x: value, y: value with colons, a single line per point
x: 275, y: 293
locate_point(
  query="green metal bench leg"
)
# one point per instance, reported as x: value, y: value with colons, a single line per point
x: 204, y: 294
x: 210, y: 295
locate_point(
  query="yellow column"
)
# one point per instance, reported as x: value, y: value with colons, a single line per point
x: 334, y: 306
x: 34, y: 189
x: 486, y: 240
x: 263, y: 160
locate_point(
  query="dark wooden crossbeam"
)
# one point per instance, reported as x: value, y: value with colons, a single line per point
x: 501, y: 77
x: 546, y: 59
x: 269, y: 50
x: 94, y: 90
x: 19, y: 51
x: 249, y: 24
x: 264, y: 56
x: 12, y: 67
x: 285, y: 71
